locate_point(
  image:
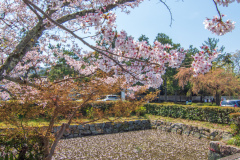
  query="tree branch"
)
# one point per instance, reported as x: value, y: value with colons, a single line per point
x: 169, y: 12
x: 219, y: 13
x: 39, y: 17
x: 6, y: 90
x: 20, y: 81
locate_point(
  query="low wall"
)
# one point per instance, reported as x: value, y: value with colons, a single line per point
x: 104, y: 128
x: 199, y: 132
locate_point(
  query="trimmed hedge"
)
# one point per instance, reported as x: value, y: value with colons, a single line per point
x: 202, y: 113
x: 103, y: 106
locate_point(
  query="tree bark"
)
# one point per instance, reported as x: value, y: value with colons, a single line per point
x: 165, y: 89
x: 218, y: 98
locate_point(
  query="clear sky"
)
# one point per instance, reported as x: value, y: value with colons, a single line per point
x: 152, y: 17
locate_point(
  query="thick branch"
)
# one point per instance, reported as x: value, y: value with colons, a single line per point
x: 6, y: 90
x: 21, y: 49
x: 218, y: 10
x: 20, y: 81
x: 84, y: 12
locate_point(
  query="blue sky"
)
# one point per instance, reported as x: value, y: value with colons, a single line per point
x: 152, y: 17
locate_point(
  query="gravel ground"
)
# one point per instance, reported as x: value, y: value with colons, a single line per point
x: 146, y: 144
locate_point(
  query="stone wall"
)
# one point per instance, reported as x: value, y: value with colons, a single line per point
x: 116, y: 127
x: 199, y: 132
x: 104, y: 128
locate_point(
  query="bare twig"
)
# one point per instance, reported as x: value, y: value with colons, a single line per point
x: 6, y: 90
x: 169, y: 12
x: 219, y: 13
x: 39, y: 17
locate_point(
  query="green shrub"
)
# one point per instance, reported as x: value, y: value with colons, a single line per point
x: 235, y: 125
x: 212, y: 114
x: 19, y: 144
x: 141, y: 111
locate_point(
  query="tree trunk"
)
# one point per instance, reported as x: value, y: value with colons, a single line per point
x: 165, y: 89
x: 159, y: 95
x: 58, y: 137
x: 218, y: 98
x: 175, y: 98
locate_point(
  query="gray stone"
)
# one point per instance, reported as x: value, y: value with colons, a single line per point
x: 225, y: 150
x: 213, y: 133
x: 138, y: 122
x: 174, y: 130
x: 215, y: 146
x: 99, y: 125
x: 55, y: 129
x: 85, y: 132
x: 117, y: 125
x: 232, y: 157
x: 70, y: 136
x: 153, y: 122
x: 107, y: 130
x: 108, y: 125
x: 184, y: 126
x: 218, y: 137
x: 66, y: 133
x: 186, y: 132
x: 235, y: 150
x: 80, y: 127
x: 168, y: 128
x: 195, y: 129
x: 131, y: 123
x: 179, y: 131
x: 131, y: 127
x: 206, y: 130
x: 197, y: 134
x: 213, y: 155
x: 158, y: 123
x: 75, y: 135
x: 76, y: 131
x: 205, y: 136
x: 146, y: 121
x: 160, y: 127
x: 177, y: 125
x: 226, y: 136
x: 86, y: 127
x: 92, y: 127
x: 115, y: 130
x: 95, y: 132
x: 169, y: 123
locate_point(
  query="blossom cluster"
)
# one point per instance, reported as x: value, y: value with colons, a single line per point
x: 203, y: 60
x: 218, y: 27
x: 225, y: 2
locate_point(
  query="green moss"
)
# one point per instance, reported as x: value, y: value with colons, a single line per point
x: 234, y: 141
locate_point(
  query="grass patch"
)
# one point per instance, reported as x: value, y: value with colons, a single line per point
x: 234, y: 141
x: 43, y: 122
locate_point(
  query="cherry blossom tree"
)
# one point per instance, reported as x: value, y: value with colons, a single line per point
x: 28, y: 27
